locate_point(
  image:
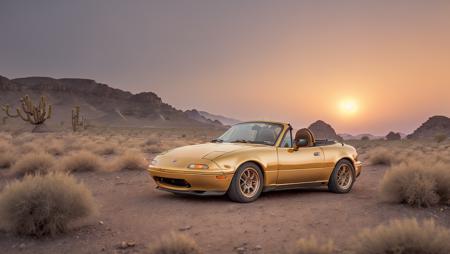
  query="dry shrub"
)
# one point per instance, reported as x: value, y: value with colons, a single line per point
x: 152, y: 149
x: 381, y: 156
x: 417, y: 183
x: 312, y: 246
x: 151, y: 141
x: 130, y: 161
x: 55, y: 147
x: 440, y: 138
x: 5, y: 146
x: 7, y: 159
x: 81, y: 162
x: 404, y: 237
x: 34, y: 163
x: 107, y: 149
x: 174, y: 244
x: 44, y: 204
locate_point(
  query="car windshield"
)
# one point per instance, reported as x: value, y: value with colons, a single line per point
x: 257, y: 133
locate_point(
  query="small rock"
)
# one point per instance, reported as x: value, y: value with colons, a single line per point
x: 123, y: 245
x: 22, y: 245
x: 131, y: 243
x: 185, y: 228
x: 257, y: 247
x: 241, y: 250
x: 101, y: 222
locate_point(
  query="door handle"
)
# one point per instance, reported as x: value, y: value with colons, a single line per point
x: 316, y: 154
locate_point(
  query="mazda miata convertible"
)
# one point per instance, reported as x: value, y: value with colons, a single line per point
x: 253, y: 157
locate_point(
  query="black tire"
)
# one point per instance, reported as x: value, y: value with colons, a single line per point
x: 341, y: 186
x: 235, y: 192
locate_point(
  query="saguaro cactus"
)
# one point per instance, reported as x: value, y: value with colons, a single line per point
x: 36, y: 115
x: 76, y: 119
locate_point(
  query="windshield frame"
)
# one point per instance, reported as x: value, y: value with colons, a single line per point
x: 282, y: 131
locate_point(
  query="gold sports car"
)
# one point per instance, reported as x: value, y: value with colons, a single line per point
x: 253, y: 157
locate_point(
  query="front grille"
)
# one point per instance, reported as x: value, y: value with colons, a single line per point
x: 172, y: 181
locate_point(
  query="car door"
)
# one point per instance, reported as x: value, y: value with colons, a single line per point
x: 299, y: 166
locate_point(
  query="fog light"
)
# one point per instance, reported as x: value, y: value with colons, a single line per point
x: 198, y: 166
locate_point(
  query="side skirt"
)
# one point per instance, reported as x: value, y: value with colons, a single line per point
x: 294, y: 186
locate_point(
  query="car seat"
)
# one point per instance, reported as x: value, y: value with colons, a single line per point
x: 305, y: 134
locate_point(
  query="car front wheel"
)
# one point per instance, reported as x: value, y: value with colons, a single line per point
x: 342, y: 178
x: 247, y: 183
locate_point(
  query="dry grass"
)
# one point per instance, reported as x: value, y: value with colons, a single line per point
x: 34, y: 163
x: 174, y: 244
x: 44, y: 204
x: 81, y: 162
x: 312, y: 246
x: 130, y: 161
x: 417, y: 183
x: 404, y: 237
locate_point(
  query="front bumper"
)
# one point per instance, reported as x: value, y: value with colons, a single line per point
x: 191, y: 181
x: 358, y: 168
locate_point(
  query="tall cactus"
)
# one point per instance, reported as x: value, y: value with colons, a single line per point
x: 76, y: 119
x: 36, y: 115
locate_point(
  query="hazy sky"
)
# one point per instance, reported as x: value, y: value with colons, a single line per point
x: 296, y: 61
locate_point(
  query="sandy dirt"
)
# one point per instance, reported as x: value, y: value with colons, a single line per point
x: 131, y: 209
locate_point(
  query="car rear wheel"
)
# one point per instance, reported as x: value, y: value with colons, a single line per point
x: 342, y: 178
x: 247, y: 183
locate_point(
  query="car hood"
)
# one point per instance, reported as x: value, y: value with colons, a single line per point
x: 183, y: 156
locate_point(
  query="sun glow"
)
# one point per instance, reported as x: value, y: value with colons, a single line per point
x: 348, y: 107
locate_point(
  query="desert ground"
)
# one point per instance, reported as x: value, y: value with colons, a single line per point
x: 132, y: 215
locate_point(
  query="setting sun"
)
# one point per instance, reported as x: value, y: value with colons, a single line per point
x: 348, y: 106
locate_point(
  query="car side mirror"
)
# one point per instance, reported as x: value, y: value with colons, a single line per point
x: 300, y: 143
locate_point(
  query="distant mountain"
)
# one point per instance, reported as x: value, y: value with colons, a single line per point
x: 223, y: 119
x: 435, y: 125
x: 322, y: 130
x: 347, y: 136
x: 101, y: 104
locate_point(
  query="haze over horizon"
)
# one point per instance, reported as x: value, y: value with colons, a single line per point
x: 360, y: 66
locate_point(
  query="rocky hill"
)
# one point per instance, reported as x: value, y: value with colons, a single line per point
x: 322, y: 130
x: 435, y: 125
x: 100, y: 103
x: 223, y: 119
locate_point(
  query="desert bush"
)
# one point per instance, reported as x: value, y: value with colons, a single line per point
x: 55, y: 147
x: 440, y: 138
x: 151, y: 141
x: 312, y: 246
x: 130, y: 161
x: 404, y: 237
x: 174, y: 244
x: 107, y: 149
x: 153, y: 149
x: 417, y: 183
x: 7, y: 159
x: 381, y: 156
x: 44, y: 204
x: 34, y: 163
x: 5, y: 146
x: 82, y: 161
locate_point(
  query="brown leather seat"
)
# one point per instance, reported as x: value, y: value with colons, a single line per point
x: 305, y: 134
